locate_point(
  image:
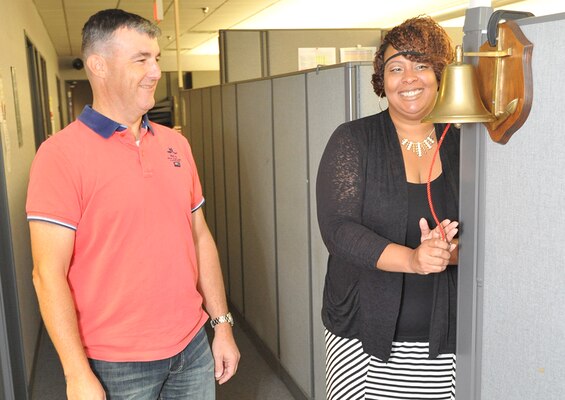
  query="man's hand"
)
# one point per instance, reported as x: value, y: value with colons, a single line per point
x: 84, y: 387
x: 225, y: 352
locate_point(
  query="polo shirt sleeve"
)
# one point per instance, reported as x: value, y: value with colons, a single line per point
x: 197, y: 199
x: 53, y: 191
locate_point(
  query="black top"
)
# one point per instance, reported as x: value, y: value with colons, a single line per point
x: 362, y: 203
x: 413, y: 323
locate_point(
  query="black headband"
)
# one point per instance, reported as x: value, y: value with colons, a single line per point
x: 403, y: 53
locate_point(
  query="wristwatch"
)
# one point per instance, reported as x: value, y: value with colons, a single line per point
x: 222, y: 319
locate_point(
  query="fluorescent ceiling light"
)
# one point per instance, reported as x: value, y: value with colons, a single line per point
x: 210, y: 47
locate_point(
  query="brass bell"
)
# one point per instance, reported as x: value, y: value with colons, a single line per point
x: 458, y: 99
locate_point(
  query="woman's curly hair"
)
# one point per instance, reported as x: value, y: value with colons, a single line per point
x: 422, y: 35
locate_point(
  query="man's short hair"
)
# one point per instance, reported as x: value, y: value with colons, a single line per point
x: 101, y: 26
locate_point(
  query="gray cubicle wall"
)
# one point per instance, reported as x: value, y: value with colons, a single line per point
x: 232, y: 193
x: 274, y: 131
x: 252, y: 54
x: 246, y: 58
x: 195, y: 127
x: 331, y: 99
x: 207, y: 162
x: 256, y: 178
x: 202, y: 125
x: 524, y: 262
x: 218, y: 180
x: 512, y: 265
x: 292, y: 225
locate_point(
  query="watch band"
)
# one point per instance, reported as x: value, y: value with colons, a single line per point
x: 222, y: 319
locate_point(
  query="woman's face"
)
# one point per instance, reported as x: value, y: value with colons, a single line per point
x: 410, y: 87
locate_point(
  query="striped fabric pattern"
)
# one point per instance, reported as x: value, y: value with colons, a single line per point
x: 351, y: 374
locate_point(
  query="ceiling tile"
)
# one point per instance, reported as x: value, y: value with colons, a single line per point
x: 64, y: 19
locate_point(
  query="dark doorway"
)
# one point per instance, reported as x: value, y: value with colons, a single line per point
x: 37, y: 70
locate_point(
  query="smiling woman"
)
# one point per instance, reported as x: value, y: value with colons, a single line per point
x: 390, y: 293
x: 408, y: 69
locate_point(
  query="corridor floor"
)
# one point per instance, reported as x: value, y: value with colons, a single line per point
x: 255, y: 379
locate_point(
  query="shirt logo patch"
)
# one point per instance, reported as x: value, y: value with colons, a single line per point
x: 172, y: 156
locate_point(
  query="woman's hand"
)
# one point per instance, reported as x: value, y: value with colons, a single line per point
x: 449, y: 227
x: 433, y: 254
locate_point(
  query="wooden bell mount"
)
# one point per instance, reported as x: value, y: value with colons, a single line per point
x: 506, y: 82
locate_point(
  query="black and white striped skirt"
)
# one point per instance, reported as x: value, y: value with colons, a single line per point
x: 351, y: 374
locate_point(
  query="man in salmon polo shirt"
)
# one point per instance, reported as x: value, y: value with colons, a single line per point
x: 125, y: 268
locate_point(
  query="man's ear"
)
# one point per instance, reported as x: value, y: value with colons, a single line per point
x: 97, y: 65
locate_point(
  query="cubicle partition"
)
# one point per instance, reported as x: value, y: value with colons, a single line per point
x: 251, y: 54
x: 511, y: 261
x: 257, y: 144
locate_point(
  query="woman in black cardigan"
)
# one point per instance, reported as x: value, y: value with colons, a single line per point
x: 389, y: 304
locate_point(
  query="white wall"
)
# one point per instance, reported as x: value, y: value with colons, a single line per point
x: 20, y: 19
x: 205, y: 78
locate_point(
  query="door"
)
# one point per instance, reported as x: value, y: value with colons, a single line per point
x: 12, y: 372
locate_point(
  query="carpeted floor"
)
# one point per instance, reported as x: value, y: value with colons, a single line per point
x: 255, y: 379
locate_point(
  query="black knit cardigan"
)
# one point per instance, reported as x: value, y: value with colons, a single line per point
x: 362, y: 205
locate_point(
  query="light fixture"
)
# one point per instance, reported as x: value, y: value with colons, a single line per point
x: 500, y: 93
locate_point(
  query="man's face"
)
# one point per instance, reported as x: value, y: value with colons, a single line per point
x: 133, y: 71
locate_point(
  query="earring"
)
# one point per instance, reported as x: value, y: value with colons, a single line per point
x: 379, y: 104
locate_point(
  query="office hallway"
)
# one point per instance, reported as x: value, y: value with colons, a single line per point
x: 255, y: 379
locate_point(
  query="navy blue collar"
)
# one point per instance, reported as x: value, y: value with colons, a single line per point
x: 103, y: 125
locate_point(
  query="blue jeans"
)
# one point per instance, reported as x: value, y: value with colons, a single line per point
x: 188, y: 375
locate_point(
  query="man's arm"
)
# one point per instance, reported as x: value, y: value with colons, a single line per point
x: 211, y: 286
x: 52, y: 249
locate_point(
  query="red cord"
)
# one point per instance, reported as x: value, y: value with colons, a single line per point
x: 428, y: 185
